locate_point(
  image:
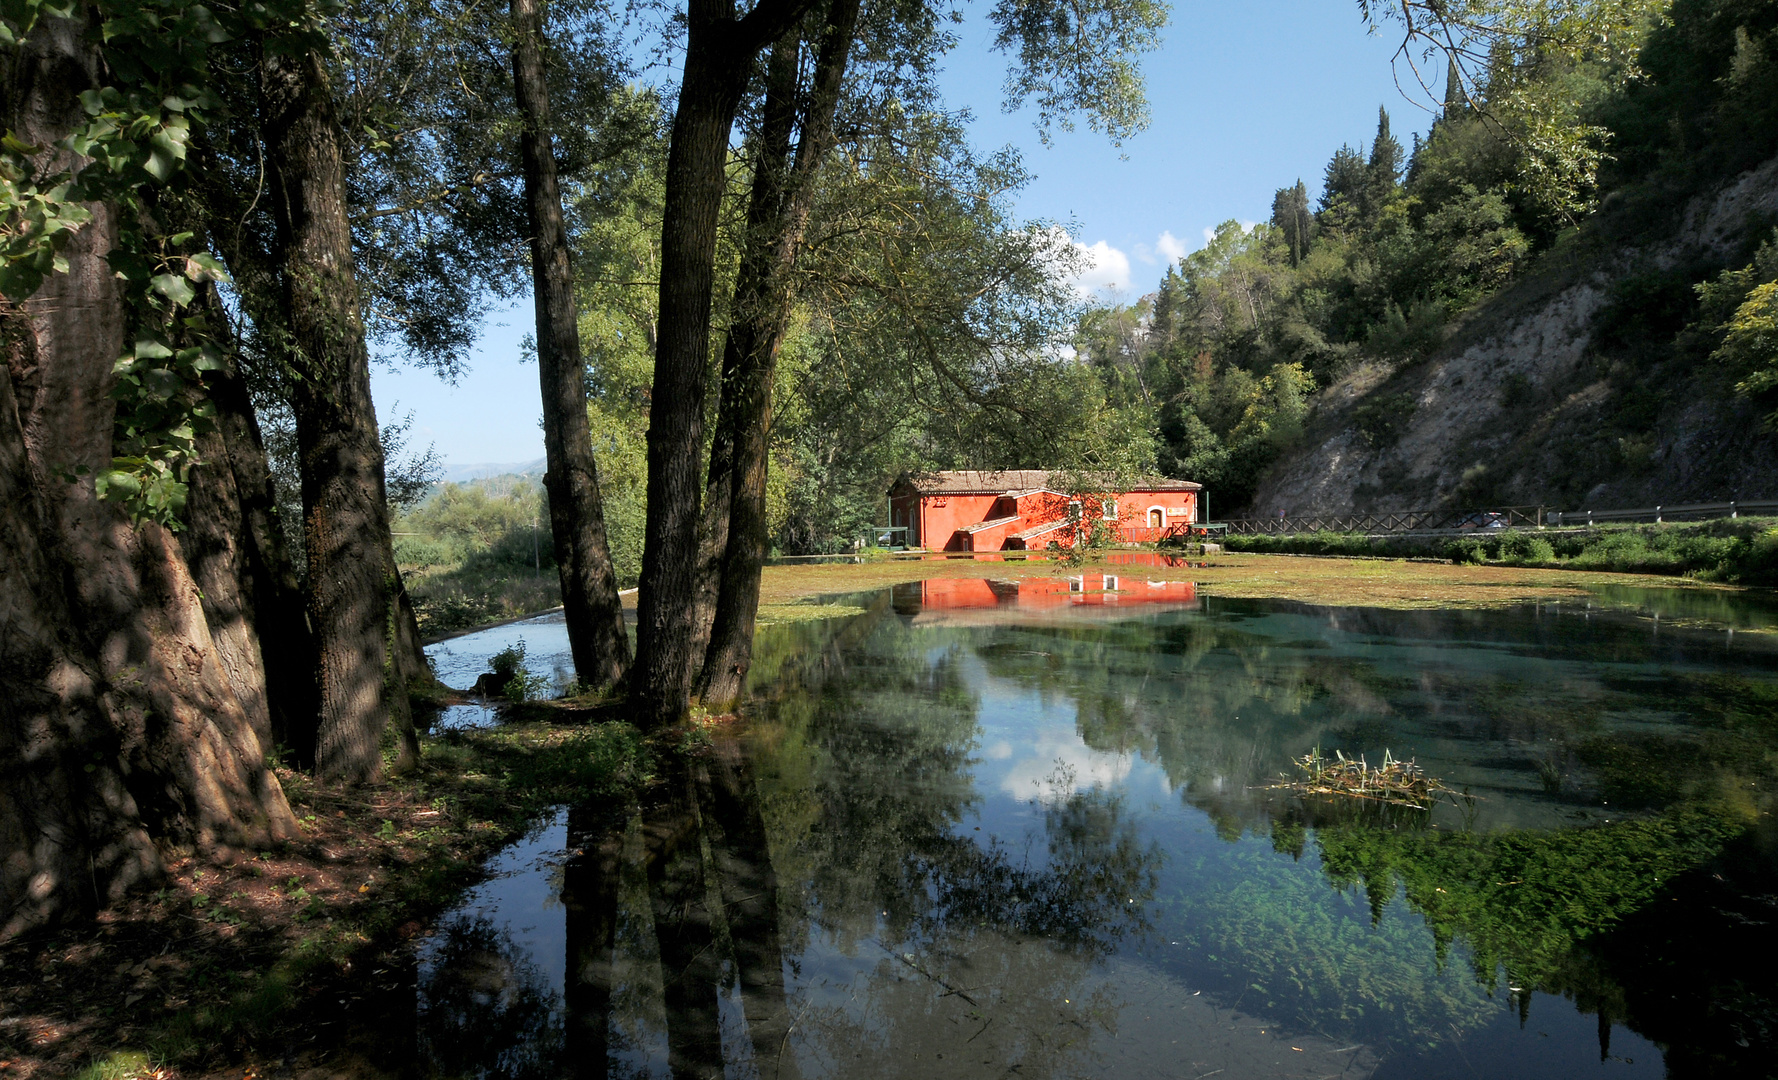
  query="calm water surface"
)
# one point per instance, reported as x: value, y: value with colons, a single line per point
x: 1020, y: 829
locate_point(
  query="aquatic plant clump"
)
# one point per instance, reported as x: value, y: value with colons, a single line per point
x: 1395, y: 782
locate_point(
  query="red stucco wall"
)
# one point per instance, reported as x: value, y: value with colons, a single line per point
x: 934, y: 520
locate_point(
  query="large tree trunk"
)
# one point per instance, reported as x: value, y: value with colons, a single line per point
x: 595, y: 617
x: 719, y: 54
x: 353, y: 588
x: 234, y: 545
x: 120, y: 721
x: 778, y: 213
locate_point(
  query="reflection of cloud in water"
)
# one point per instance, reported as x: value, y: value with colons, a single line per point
x: 1050, y: 756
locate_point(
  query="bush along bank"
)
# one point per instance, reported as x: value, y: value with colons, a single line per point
x: 1739, y: 551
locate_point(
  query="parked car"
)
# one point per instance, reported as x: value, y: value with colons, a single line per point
x: 1484, y: 520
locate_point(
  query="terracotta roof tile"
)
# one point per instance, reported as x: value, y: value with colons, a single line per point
x: 1004, y: 481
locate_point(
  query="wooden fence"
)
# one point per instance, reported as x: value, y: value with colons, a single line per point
x: 1658, y: 514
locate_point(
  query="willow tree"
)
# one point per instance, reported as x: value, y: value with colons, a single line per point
x: 1070, y: 59
x: 595, y: 617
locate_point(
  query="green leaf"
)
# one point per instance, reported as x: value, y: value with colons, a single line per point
x: 209, y: 264
x: 162, y: 383
x: 115, y: 484
x: 174, y: 288
x: 149, y: 346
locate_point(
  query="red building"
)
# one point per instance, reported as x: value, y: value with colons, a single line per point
x: 1014, y: 509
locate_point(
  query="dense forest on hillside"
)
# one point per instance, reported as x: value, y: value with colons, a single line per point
x: 1400, y: 248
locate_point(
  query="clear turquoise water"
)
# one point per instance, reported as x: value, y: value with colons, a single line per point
x: 1031, y: 840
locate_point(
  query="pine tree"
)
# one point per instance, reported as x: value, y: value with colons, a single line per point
x: 1456, y: 97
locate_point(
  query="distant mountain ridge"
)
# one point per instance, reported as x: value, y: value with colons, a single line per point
x: 458, y: 474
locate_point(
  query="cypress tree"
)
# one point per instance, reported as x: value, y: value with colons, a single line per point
x: 1290, y: 214
x: 1384, y: 169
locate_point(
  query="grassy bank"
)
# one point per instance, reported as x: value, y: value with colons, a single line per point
x: 303, y: 954
x: 1742, y: 551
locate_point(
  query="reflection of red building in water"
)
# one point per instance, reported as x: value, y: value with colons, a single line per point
x: 1017, y: 509
x: 971, y: 600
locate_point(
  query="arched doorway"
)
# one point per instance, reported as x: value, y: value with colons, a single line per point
x: 1157, y: 518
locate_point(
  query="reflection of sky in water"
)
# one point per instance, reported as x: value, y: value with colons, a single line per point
x: 459, y: 661
x: 1031, y: 747
x: 465, y: 717
x: 1243, y: 959
x: 520, y: 899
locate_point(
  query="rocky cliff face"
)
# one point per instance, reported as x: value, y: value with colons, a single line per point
x: 1567, y: 390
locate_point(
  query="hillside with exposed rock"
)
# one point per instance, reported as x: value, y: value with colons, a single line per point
x: 1577, y: 386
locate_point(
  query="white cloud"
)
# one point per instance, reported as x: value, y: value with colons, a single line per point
x: 1054, y: 754
x: 1167, y: 248
x: 1108, y: 269
x: 1170, y: 246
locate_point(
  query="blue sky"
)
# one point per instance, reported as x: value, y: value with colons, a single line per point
x: 1247, y: 96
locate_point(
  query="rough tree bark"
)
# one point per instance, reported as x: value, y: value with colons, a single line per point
x: 596, y: 634
x: 353, y: 587
x: 119, y: 723
x: 720, y: 50
x: 777, y: 215
x: 234, y: 546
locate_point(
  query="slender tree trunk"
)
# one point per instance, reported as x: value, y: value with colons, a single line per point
x: 719, y: 54
x: 713, y: 529
x: 353, y: 588
x: 777, y: 217
x: 596, y: 633
x: 772, y: 163
x: 119, y: 720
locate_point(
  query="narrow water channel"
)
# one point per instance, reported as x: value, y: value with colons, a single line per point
x: 1022, y: 829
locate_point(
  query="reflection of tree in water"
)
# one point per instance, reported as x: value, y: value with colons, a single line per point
x: 839, y: 844
x: 486, y: 1010
x: 986, y: 950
